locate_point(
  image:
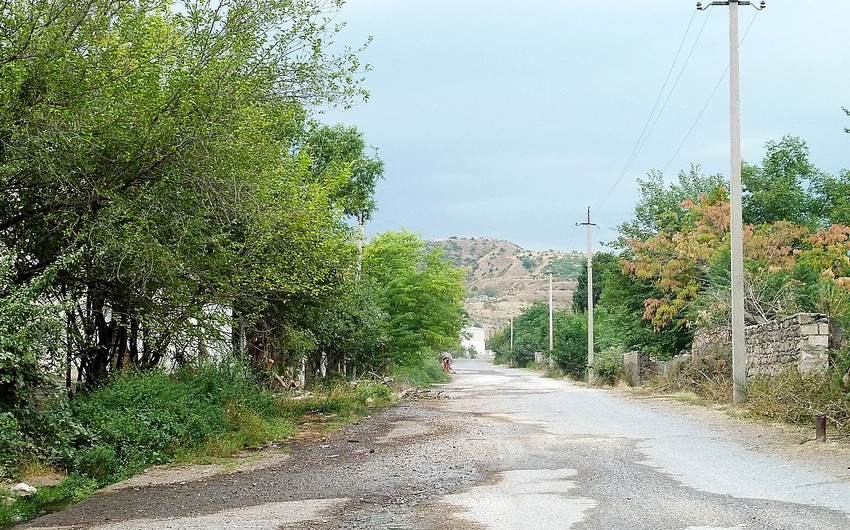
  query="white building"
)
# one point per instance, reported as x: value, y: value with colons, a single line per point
x: 473, y: 337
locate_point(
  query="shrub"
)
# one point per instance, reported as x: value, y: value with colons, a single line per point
x: 13, y: 445
x: 374, y: 393
x: 148, y: 417
x: 427, y: 373
x: 796, y: 398
x: 99, y: 462
x: 708, y: 376
x: 43, y: 431
x: 608, y: 366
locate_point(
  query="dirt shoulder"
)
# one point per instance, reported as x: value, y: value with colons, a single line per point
x: 790, y: 442
x: 391, y: 470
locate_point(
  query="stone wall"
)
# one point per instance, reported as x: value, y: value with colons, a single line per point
x: 638, y: 367
x: 800, y: 340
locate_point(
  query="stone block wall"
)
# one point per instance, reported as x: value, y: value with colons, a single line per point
x: 638, y: 366
x: 800, y: 340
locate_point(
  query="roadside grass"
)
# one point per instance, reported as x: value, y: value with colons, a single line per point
x: 426, y: 374
x: 788, y: 397
x: 72, y: 489
x: 554, y: 373
x: 690, y: 398
x: 198, y: 415
x: 795, y: 398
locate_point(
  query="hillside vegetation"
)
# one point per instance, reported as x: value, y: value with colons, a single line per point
x: 503, y: 278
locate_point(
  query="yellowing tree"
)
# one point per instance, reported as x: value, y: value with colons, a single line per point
x: 689, y: 263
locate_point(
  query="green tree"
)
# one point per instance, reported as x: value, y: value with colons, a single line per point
x: 30, y: 333
x: 601, y: 263
x: 570, y: 342
x: 340, y: 160
x: 419, y: 291
x: 531, y: 336
x: 619, y: 317
x: 660, y: 205
x: 778, y: 190
x: 156, y: 141
x: 832, y: 194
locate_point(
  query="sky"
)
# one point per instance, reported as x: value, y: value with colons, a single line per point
x: 508, y: 120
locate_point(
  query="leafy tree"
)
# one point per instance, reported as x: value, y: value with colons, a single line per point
x: 157, y: 141
x: 660, y: 205
x: 30, y: 333
x: 340, y: 159
x: 531, y: 335
x: 681, y: 263
x: 419, y: 291
x: 341, y: 163
x: 823, y: 266
x: 619, y: 315
x: 778, y: 190
x: 569, y: 337
x: 832, y: 194
x: 601, y: 263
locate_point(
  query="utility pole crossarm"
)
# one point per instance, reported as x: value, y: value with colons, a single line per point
x: 761, y: 5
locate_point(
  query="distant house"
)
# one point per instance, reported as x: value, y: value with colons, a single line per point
x: 473, y: 337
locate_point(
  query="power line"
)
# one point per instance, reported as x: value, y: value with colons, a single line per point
x: 673, y: 88
x: 701, y: 112
x: 710, y: 97
x: 638, y: 144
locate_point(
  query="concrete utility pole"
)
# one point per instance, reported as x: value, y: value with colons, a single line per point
x: 551, y: 322
x: 736, y: 224
x: 589, y: 226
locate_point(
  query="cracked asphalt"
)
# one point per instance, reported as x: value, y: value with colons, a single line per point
x: 508, y: 449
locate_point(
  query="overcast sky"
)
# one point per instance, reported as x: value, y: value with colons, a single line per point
x: 507, y: 119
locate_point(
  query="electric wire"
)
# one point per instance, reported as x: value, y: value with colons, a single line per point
x: 572, y: 238
x: 673, y: 88
x: 638, y: 143
x: 710, y: 97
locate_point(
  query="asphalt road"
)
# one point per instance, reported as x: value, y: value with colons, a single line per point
x: 508, y: 449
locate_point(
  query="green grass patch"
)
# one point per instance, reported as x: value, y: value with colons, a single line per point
x: 690, y: 398
x: 428, y: 373
x: 47, y: 499
x: 208, y: 413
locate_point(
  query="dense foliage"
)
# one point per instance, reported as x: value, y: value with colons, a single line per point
x: 168, y: 201
x: 531, y: 336
x: 671, y: 273
x: 419, y: 290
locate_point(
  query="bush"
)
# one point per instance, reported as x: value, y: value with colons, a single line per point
x: 149, y: 417
x: 427, y: 373
x: 43, y: 431
x: 608, y: 366
x: 13, y: 445
x: 374, y: 393
x: 796, y: 398
x: 708, y: 376
x: 99, y: 462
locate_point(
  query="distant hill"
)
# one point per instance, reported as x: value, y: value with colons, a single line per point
x: 503, y: 278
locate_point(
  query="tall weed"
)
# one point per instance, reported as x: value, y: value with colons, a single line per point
x: 427, y: 373
x: 796, y: 398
